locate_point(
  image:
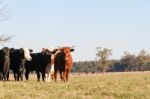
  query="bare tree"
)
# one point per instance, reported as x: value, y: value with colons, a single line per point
x: 4, y: 38
x: 4, y: 13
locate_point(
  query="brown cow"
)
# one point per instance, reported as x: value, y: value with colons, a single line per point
x: 63, y: 63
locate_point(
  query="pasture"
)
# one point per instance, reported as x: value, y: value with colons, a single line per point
x: 135, y: 85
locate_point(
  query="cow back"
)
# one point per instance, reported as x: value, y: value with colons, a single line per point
x: 39, y: 62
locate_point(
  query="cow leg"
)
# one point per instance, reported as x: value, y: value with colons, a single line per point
x: 55, y: 75
x: 8, y: 76
x: 43, y: 76
x: 38, y: 75
x: 47, y: 77
x: 1, y: 75
x: 67, y: 74
x: 15, y: 76
x: 21, y: 76
x: 64, y: 76
x: 27, y: 74
x: 18, y: 75
x: 6, y: 70
x: 61, y: 75
x: 4, y: 76
x: 51, y: 74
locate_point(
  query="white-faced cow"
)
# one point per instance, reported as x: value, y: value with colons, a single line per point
x: 17, y: 61
x: 4, y: 63
x: 63, y: 63
x: 41, y: 63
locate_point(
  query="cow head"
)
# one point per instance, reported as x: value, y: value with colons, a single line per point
x: 52, y: 50
x: 6, y: 50
x: 4, y: 54
x: 49, y: 51
x: 26, y: 53
x: 46, y: 51
x: 66, y: 51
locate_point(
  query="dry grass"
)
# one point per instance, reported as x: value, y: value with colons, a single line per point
x: 98, y: 86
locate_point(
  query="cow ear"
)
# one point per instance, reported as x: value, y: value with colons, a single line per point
x: 12, y: 50
x: 71, y: 50
x: 54, y: 51
x: 31, y: 50
x: 21, y: 50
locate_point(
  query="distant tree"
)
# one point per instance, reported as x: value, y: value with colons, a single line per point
x: 142, y: 59
x: 79, y: 65
x: 92, y: 69
x: 103, y: 55
x: 74, y: 68
x: 128, y: 61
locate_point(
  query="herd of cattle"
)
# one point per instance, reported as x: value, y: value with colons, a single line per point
x: 47, y: 63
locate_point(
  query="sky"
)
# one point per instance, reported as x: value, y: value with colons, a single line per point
x: 122, y: 25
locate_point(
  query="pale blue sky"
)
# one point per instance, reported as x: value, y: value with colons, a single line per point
x: 122, y: 25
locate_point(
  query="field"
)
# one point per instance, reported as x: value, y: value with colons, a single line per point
x: 135, y: 85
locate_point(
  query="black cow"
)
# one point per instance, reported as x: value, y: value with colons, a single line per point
x: 40, y: 63
x: 17, y: 61
x: 4, y: 63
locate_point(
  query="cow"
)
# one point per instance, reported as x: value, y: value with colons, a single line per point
x: 63, y: 63
x: 4, y: 63
x: 17, y: 61
x: 50, y: 75
x: 41, y: 63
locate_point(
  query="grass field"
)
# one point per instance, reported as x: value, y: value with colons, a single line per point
x: 97, y: 86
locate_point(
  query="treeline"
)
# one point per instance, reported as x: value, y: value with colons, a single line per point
x: 86, y: 67
x: 129, y: 62
x: 115, y: 66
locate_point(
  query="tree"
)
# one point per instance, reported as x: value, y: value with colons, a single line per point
x: 128, y: 61
x: 4, y: 13
x: 142, y: 59
x: 103, y: 55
